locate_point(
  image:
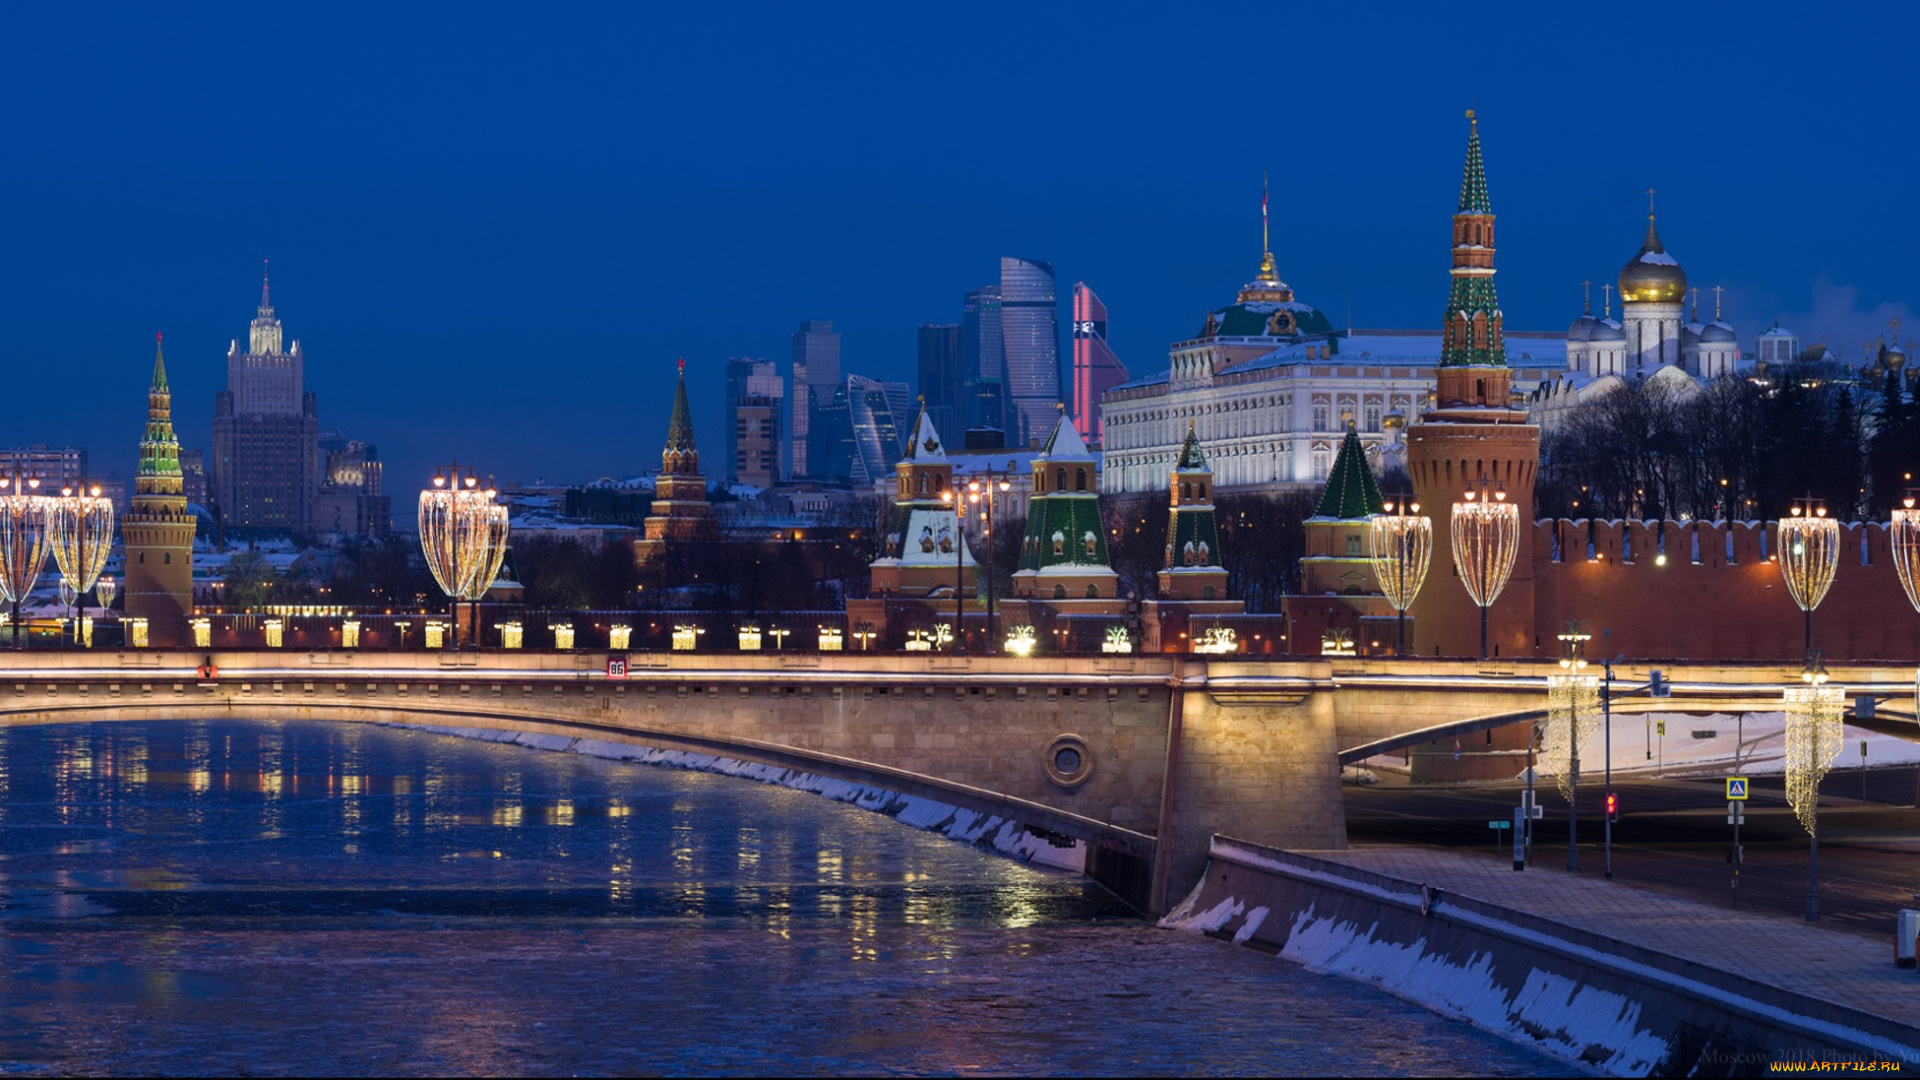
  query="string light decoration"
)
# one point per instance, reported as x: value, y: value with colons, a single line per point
x: 619, y: 636
x: 1815, y: 729
x: 80, y: 530
x: 1903, y: 536
x: 1573, y: 715
x: 1117, y: 641
x: 463, y: 533
x: 1021, y: 640
x: 23, y: 540
x: 1486, y: 540
x: 1218, y: 640
x: 1810, y: 555
x: 105, y: 590
x: 1401, y: 545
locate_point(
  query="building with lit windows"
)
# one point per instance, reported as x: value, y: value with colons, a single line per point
x: 1030, y: 331
x: 1096, y: 369
x: 266, y: 428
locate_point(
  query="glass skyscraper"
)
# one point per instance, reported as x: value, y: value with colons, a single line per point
x: 1095, y: 369
x: 1031, y: 330
x: 941, y: 381
x: 983, y: 360
x: 814, y: 378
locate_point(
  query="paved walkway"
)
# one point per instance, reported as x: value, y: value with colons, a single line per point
x: 1846, y: 968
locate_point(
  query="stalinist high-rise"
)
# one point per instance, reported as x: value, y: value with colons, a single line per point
x: 266, y: 453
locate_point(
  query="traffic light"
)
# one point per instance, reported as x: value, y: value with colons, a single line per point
x: 1613, y: 807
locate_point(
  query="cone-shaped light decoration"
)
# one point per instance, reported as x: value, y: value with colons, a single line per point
x: 1904, y: 537
x: 1815, y: 729
x: 1401, y: 544
x: 1486, y: 539
x: 80, y: 524
x: 463, y: 533
x: 23, y: 536
x: 1809, y: 556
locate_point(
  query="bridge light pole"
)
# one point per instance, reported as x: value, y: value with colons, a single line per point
x: 24, y: 527
x: 1567, y: 692
x: 951, y: 497
x: 1401, y: 546
x: 1813, y: 737
x: 81, y: 531
x: 1486, y: 540
x: 463, y: 533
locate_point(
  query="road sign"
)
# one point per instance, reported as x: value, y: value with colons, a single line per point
x: 616, y: 667
x: 1531, y: 808
x: 1499, y: 824
x: 1736, y: 789
x: 1662, y: 727
x: 1736, y: 813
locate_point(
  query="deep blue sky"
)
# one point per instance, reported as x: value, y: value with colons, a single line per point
x: 493, y: 228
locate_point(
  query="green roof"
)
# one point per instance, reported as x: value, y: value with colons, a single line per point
x: 1191, y: 459
x: 1351, y: 492
x: 680, y: 426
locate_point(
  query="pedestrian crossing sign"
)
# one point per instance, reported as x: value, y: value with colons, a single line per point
x: 1736, y: 788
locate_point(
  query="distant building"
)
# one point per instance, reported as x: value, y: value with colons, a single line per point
x: 1095, y: 369
x: 193, y: 474
x: 983, y: 359
x: 55, y: 466
x: 266, y: 455
x: 814, y: 378
x: 1030, y: 325
x: 857, y: 439
x: 350, y: 499
x: 942, y: 384
x: 756, y: 396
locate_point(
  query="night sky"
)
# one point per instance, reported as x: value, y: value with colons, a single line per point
x: 493, y: 228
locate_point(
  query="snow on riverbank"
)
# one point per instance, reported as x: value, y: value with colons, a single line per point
x: 983, y: 830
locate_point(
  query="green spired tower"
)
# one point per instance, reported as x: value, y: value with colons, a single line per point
x: 1193, y: 570
x: 1063, y: 555
x: 158, y: 530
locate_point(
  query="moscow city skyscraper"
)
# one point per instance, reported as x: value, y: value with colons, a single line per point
x: 266, y: 432
x: 983, y: 359
x: 1095, y: 369
x: 1031, y: 329
x: 941, y: 383
x: 813, y: 379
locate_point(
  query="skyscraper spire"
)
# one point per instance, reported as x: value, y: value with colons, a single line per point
x: 266, y: 300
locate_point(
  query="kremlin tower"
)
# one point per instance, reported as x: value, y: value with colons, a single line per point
x: 680, y: 509
x: 158, y: 530
x: 1472, y: 437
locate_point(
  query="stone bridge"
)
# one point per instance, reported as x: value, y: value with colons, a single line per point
x: 1142, y: 759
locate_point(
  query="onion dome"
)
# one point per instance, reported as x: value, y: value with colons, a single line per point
x: 1715, y: 333
x: 1394, y: 420
x: 1609, y: 331
x: 1583, y: 327
x: 1892, y: 356
x: 1652, y: 276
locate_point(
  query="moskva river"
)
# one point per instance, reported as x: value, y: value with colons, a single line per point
x: 250, y: 897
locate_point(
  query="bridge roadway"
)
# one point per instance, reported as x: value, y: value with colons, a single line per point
x: 1143, y: 759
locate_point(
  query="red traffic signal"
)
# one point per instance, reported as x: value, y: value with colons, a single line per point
x: 1613, y: 807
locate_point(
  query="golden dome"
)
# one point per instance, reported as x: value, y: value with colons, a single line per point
x: 1652, y: 276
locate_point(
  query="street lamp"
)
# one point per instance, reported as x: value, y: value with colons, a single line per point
x: 1903, y: 536
x: 1814, y: 733
x: 81, y: 529
x: 1809, y: 556
x: 23, y: 540
x: 1402, y: 545
x: 1570, y: 695
x: 950, y: 497
x: 983, y: 496
x: 1486, y: 540
x: 463, y: 534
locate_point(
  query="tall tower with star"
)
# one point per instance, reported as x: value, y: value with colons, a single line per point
x: 1472, y: 437
x: 158, y: 530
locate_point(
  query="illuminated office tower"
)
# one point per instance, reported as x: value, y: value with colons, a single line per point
x: 1095, y: 369
x: 1030, y: 327
x: 815, y: 378
x: 983, y: 359
x: 942, y: 386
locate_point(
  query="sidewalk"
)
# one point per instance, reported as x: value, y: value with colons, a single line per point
x: 1835, y: 965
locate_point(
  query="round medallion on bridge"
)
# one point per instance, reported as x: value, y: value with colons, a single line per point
x: 1068, y: 761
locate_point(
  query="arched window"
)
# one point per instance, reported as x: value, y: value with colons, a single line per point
x: 1060, y: 479
x: 1059, y: 592
x: 1206, y: 557
x: 143, y: 556
x: 923, y: 483
x: 1092, y: 542
x: 1186, y: 554
x: 1203, y: 489
x: 1206, y: 593
x: 1059, y: 543
x: 1093, y: 592
x: 1186, y: 490
x: 1079, y: 479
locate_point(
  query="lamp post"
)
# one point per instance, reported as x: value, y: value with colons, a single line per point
x: 1903, y: 536
x: 1809, y: 555
x: 1565, y: 692
x: 1813, y: 737
x: 463, y: 533
x: 1486, y: 539
x: 952, y: 498
x: 983, y: 496
x: 81, y: 529
x: 23, y: 540
x: 1401, y: 546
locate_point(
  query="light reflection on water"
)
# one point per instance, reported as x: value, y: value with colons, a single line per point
x: 308, y: 897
